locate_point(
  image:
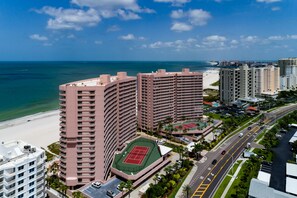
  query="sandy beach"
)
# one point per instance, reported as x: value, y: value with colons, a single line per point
x: 42, y: 129
x: 209, y: 77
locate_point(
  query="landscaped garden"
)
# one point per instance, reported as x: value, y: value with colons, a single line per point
x: 167, y: 185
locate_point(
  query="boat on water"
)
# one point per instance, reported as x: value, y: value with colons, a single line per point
x: 213, y: 63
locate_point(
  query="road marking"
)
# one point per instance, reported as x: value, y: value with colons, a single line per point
x: 231, y: 155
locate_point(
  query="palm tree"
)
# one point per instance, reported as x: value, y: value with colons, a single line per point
x: 156, y: 178
x: 197, y: 149
x: 167, y: 169
x: 187, y: 189
x: 63, y: 189
x: 160, y: 126
x: 129, y: 186
x: 77, y: 194
x: 122, y: 187
x: 180, y: 151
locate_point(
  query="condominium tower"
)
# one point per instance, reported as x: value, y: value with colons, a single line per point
x: 288, y: 66
x: 164, y: 94
x: 97, y: 117
x: 244, y: 82
x: 22, y: 170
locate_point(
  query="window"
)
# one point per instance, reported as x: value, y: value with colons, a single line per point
x: 31, y: 190
x: 32, y: 196
x: 21, y: 175
x: 21, y: 168
x: 20, y: 182
x: 20, y: 189
x: 31, y: 170
x: 31, y: 163
x: 31, y: 177
x: 20, y: 196
x: 31, y: 183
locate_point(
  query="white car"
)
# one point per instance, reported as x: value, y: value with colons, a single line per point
x: 96, y: 184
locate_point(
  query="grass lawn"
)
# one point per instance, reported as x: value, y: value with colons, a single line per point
x: 261, y: 135
x: 235, y: 166
x: 54, y: 147
x: 175, y: 190
x: 222, y: 187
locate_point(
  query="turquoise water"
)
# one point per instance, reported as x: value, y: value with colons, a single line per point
x: 31, y: 87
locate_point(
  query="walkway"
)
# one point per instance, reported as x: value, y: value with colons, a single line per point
x: 233, y: 178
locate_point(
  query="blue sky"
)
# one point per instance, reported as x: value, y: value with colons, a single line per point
x: 147, y: 29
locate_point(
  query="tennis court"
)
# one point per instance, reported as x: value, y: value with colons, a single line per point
x: 187, y: 126
x: 136, y: 155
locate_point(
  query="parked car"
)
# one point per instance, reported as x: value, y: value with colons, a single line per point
x: 110, y: 193
x: 96, y: 184
x: 249, y: 128
x: 240, y: 135
x: 214, y: 162
x: 223, y: 152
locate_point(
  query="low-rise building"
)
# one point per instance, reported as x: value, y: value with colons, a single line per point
x: 22, y: 170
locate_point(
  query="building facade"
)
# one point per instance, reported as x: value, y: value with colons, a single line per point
x: 97, y: 117
x: 164, y: 94
x: 245, y: 82
x: 22, y: 170
x: 287, y: 66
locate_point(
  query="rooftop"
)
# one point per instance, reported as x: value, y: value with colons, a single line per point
x: 163, y: 71
x: 130, y: 162
x: 13, y: 150
x: 291, y: 185
x: 102, y: 80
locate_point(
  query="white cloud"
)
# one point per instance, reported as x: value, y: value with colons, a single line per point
x: 249, y: 39
x: 108, y: 4
x: 177, y: 14
x: 113, y: 28
x: 70, y: 18
x: 128, y: 15
x: 127, y: 37
x: 294, y: 36
x: 181, y: 27
x: 38, y: 37
x: 71, y: 36
x: 234, y: 42
x: 196, y: 17
x: 199, y: 17
x: 276, y: 38
x: 268, y: 1
x: 173, y: 2
x: 98, y: 42
x: 275, y: 8
x: 215, y: 38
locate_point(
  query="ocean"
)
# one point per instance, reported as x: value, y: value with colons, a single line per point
x: 31, y: 87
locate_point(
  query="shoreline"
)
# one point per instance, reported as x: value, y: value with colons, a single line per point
x: 42, y: 128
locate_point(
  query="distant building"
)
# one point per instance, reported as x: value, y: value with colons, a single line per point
x: 165, y: 94
x: 97, y: 117
x: 248, y: 82
x: 287, y: 66
x: 22, y: 170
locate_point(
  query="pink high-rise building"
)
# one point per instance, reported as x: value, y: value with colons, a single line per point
x: 168, y: 94
x: 97, y: 117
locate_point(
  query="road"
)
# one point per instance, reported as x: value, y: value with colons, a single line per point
x: 208, y: 176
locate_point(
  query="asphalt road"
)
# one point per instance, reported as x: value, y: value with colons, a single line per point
x: 208, y: 176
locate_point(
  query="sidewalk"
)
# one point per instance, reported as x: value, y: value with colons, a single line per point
x: 180, y: 193
x: 233, y: 178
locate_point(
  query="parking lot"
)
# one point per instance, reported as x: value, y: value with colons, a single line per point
x: 94, y: 192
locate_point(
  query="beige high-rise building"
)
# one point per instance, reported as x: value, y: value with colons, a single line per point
x: 244, y: 82
x: 165, y: 94
x: 97, y: 117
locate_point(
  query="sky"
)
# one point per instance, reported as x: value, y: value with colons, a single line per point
x: 147, y: 30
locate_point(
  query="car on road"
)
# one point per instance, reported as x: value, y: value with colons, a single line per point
x: 223, y: 152
x: 240, y: 135
x: 96, y: 184
x: 214, y: 162
x: 262, y: 127
x: 249, y: 128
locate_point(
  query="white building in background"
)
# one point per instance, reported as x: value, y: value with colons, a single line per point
x: 248, y: 82
x: 22, y: 170
x: 288, y: 72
